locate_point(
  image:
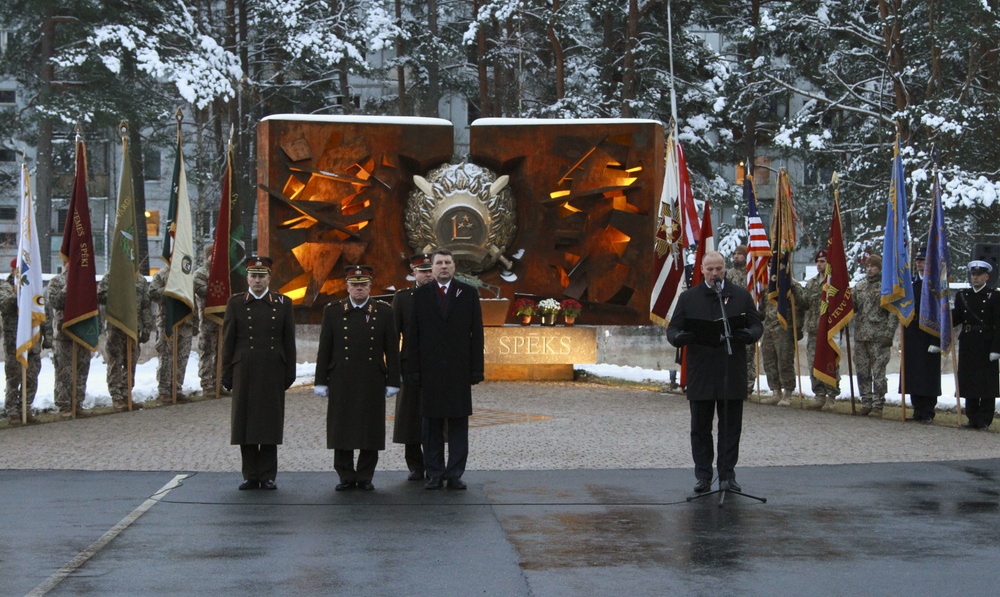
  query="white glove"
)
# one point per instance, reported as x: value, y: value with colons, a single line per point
x: 322, y: 391
x: 995, y: 356
x: 933, y: 349
x: 391, y: 391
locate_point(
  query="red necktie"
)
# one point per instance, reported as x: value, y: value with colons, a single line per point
x: 442, y: 297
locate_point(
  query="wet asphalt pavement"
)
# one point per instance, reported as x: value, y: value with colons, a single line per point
x: 885, y: 522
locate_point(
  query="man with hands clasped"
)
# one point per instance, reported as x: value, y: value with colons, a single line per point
x: 977, y: 315
x: 357, y: 367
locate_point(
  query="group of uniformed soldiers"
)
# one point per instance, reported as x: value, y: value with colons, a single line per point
x: 976, y: 316
x: 115, y: 346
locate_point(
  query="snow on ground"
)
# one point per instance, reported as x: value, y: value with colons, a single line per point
x: 623, y: 372
x: 145, y: 388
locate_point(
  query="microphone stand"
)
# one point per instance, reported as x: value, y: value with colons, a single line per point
x: 723, y: 444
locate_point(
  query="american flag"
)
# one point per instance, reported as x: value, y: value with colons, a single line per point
x: 758, y: 248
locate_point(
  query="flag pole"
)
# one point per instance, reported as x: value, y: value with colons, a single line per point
x: 128, y: 369
x: 850, y: 369
x: 24, y: 392
x: 795, y: 339
x: 218, y: 363
x: 902, y: 370
x: 173, y: 368
x: 73, y: 399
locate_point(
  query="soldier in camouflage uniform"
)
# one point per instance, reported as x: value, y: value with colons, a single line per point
x: 115, y: 341
x: 12, y: 367
x: 208, y: 337
x: 62, y: 353
x: 737, y: 276
x: 826, y: 395
x: 874, y: 328
x: 165, y: 347
x: 777, y: 350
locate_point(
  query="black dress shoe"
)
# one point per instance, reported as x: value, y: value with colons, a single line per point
x: 344, y: 485
x: 415, y: 476
x: 249, y: 485
x: 366, y: 485
x: 970, y: 426
x: 434, y: 483
x: 457, y: 484
x: 730, y: 485
x: 702, y: 485
x: 270, y: 485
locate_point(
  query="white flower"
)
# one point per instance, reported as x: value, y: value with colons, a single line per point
x: 548, y: 305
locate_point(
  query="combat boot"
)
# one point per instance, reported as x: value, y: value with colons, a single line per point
x: 831, y: 403
x: 773, y: 399
x: 818, y: 403
x: 866, y: 407
x: 786, y: 398
x: 876, y: 411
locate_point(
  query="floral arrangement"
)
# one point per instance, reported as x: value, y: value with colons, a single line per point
x: 571, y: 308
x: 548, y: 306
x: 524, y: 307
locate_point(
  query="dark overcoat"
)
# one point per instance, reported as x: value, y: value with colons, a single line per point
x: 707, y: 375
x: 358, y: 357
x: 407, y: 422
x: 258, y: 359
x: 921, y: 369
x: 445, y: 348
x: 977, y: 316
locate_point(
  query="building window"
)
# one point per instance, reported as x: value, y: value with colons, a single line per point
x: 8, y: 96
x: 8, y: 239
x: 151, y: 169
x: 152, y: 223
x: 8, y: 155
x: 8, y: 213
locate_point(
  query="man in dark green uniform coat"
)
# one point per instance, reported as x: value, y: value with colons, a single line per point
x: 406, y: 427
x: 357, y: 367
x: 258, y: 365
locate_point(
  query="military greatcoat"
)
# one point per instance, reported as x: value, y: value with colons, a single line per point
x: 977, y: 315
x: 921, y: 368
x: 258, y: 361
x: 358, y: 357
x: 406, y: 425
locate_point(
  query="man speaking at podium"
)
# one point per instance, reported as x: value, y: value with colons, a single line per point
x: 716, y: 378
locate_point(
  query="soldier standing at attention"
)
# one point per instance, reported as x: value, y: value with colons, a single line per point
x: 208, y: 334
x: 258, y: 365
x: 874, y: 328
x: 115, y: 342
x: 812, y: 297
x: 62, y: 353
x: 777, y: 350
x: 357, y: 368
x: 165, y: 347
x: 737, y: 276
x: 12, y: 367
x: 977, y: 315
x: 406, y: 427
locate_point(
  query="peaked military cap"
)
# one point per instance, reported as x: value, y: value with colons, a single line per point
x: 359, y: 273
x: 258, y: 264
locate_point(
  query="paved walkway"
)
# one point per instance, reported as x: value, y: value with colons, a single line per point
x: 517, y: 426
x: 574, y: 489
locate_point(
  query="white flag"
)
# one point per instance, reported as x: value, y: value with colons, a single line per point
x: 180, y: 282
x: 28, y: 276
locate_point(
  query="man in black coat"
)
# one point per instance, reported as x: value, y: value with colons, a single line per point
x: 407, y: 424
x: 258, y: 365
x: 977, y: 314
x: 357, y: 367
x: 444, y: 357
x: 716, y: 379
x: 921, y: 355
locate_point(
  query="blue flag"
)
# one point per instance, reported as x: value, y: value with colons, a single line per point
x: 897, y: 282
x: 935, y: 312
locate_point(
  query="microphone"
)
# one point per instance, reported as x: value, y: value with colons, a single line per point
x: 718, y: 286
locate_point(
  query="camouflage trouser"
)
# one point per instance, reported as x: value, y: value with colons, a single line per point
x: 751, y: 368
x: 165, y: 351
x: 208, y: 352
x: 820, y: 388
x: 62, y: 358
x: 117, y: 352
x: 871, y: 359
x: 12, y: 396
x: 777, y: 351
